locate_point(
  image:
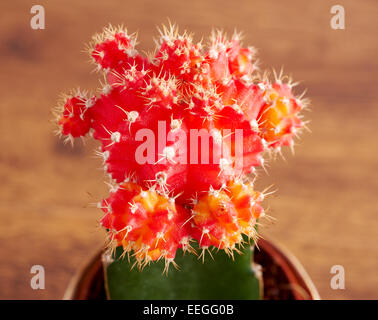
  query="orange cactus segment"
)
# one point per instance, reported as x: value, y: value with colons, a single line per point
x: 278, y: 118
x: 247, y: 203
x: 216, y: 220
x: 145, y: 222
x: 222, y: 217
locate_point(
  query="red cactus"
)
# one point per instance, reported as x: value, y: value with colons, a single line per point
x: 151, y: 115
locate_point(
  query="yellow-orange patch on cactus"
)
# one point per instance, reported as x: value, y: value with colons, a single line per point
x: 278, y: 118
x: 145, y: 222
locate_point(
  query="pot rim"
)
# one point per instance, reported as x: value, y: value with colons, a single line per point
x: 301, y: 284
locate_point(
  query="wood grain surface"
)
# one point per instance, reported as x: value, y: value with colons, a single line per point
x: 326, y: 205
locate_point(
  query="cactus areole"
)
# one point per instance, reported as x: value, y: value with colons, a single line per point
x: 182, y: 133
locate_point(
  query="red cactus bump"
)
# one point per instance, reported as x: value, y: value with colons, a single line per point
x: 180, y: 131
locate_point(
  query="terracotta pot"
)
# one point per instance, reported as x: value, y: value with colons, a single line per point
x: 283, y: 276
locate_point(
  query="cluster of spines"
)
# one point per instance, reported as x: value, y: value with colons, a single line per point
x: 222, y: 217
x: 145, y: 222
x: 186, y: 87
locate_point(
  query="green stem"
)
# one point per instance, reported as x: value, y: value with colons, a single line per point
x: 215, y: 279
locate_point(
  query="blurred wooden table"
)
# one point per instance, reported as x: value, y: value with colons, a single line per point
x: 326, y: 204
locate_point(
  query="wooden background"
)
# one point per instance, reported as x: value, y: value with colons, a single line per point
x: 326, y: 204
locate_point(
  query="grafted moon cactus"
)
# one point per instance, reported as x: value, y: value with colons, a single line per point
x: 181, y: 135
